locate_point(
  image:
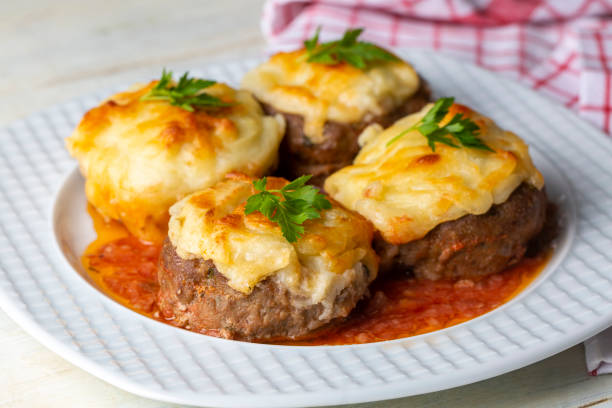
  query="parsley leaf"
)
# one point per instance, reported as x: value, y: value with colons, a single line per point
x: 347, y: 49
x: 186, y: 94
x: 296, y: 204
x: 462, y: 129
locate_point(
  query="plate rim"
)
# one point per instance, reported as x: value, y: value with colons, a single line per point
x: 543, y: 275
x: 25, y: 320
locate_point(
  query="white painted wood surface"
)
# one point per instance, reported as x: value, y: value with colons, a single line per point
x: 54, y: 50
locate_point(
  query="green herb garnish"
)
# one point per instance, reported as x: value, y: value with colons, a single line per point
x: 347, y: 49
x: 297, y: 203
x: 186, y: 94
x: 459, y: 128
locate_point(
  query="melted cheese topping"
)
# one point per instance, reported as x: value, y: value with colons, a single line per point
x: 140, y: 157
x: 247, y: 249
x: 340, y: 93
x: 406, y: 190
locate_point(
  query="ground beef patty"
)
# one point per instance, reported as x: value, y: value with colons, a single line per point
x: 472, y: 246
x: 299, y: 156
x: 197, y: 296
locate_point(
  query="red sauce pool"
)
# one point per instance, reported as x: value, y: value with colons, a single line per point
x: 125, y: 268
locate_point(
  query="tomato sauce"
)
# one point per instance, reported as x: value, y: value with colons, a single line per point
x: 125, y: 268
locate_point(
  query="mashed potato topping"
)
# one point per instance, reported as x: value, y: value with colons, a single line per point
x: 140, y: 157
x: 406, y: 190
x: 340, y: 93
x: 246, y: 249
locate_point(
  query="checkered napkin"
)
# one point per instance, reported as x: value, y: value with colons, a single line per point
x: 561, y: 48
x: 598, y: 352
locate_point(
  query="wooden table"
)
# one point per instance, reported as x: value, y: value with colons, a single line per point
x: 51, y: 51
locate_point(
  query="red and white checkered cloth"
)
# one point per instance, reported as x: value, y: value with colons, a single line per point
x: 562, y: 48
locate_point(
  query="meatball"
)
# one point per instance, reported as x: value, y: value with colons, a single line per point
x: 139, y: 156
x: 472, y: 246
x: 327, y: 105
x: 444, y: 211
x: 298, y: 155
x: 236, y: 275
x: 196, y: 295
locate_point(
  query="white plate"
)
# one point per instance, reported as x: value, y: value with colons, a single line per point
x: 39, y: 289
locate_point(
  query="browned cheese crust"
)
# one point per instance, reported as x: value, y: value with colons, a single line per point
x: 196, y: 296
x: 472, y: 246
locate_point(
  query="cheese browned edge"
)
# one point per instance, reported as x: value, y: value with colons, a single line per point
x: 246, y: 249
x: 340, y: 93
x: 405, y: 189
x: 140, y: 157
